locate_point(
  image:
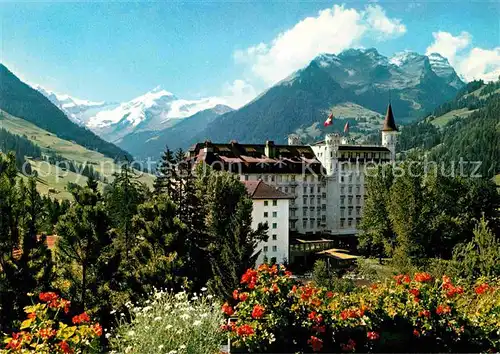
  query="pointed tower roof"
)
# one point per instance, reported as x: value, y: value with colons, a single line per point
x: 389, y: 123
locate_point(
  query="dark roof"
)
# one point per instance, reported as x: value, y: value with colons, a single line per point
x: 363, y: 148
x: 389, y: 123
x: 260, y: 190
x: 252, y: 158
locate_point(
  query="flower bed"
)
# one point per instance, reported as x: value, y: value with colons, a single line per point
x: 419, y: 314
x: 44, y: 332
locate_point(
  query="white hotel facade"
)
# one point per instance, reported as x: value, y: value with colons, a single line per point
x: 322, y: 185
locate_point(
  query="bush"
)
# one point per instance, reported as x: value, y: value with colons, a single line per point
x: 171, y: 323
x: 43, y: 332
x: 275, y: 313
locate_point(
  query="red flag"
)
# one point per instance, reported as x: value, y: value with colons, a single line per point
x: 346, y: 128
x: 328, y: 120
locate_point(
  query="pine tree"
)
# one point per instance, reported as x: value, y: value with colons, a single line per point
x: 165, y: 174
x: 84, y: 231
x: 231, y: 241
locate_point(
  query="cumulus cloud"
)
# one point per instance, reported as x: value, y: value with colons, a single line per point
x: 238, y: 93
x: 448, y: 45
x: 331, y: 31
x: 476, y: 63
x: 481, y: 64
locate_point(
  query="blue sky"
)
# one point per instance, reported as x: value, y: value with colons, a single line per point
x: 119, y: 50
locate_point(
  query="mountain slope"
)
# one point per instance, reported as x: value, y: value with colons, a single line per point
x: 24, y: 102
x: 362, y: 77
x: 53, y: 179
x: 151, y: 144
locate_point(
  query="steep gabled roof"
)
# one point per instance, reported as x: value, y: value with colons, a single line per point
x: 389, y: 123
x: 260, y: 190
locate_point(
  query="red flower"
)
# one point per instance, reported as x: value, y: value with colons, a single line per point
x: 315, y: 343
x: 406, y: 279
x: 32, y: 315
x: 243, y: 296
x: 288, y: 273
x: 227, y: 309
x: 249, y: 277
x: 64, y: 346
x: 258, y: 311
x: 423, y: 277
x: 446, y: 279
x: 441, y: 310
x: 425, y: 313
x: 275, y: 288
x: 372, y: 335
x: 414, y: 292
x: 454, y: 290
x: 235, y: 294
x: 329, y: 294
x: 482, y: 288
x: 82, y: 318
x: 416, y: 333
x: 374, y: 286
x: 16, y: 342
x: 244, y: 330
x: 319, y: 329
x: 97, y: 329
x: 349, y: 347
x: 294, y: 288
x: 47, y: 333
x: 64, y: 304
x: 48, y: 297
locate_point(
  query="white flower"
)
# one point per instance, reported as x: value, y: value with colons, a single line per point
x: 169, y: 326
x: 158, y: 318
x: 128, y: 349
x: 203, y: 315
x: 184, y: 316
x: 210, y: 297
x: 197, y: 323
x: 108, y: 335
x: 172, y: 352
x: 112, y: 312
x: 160, y: 347
x: 182, y: 347
x: 204, y: 289
x: 130, y: 333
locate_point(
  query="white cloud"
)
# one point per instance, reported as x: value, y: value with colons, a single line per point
x: 238, y: 93
x: 331, y: 31
x: 381, y: 24
x: 448, y: 45
x: 477, y: 63
x: 481, y: 64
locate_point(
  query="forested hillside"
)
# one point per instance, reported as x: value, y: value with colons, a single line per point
x: 24, y: 102
x: 471, y: 130
x: 20, y: 145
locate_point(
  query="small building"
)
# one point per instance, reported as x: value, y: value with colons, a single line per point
x: 271, y: 206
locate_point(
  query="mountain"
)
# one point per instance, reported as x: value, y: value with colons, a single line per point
x: 414, y: 83
x: 153, y: 111
x: 150, y: 144
x: 23, y: 101
x: 78, y: 110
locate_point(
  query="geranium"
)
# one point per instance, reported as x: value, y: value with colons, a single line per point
x: 423, y: 277
x: 48, y: 297
x: 349, y: 346
x: 64, y: 346
x: 258, y: 311
x: 425, y: 313
x: 481, y: 288
x: 82, y: 318
x: 315, y: 343
x: 414, y: 292
x: 227, y: 309
x: 443, y: 309
x: 250, y: 277
x: 244, y: 330
x: 243, y: 296
x: 372, y: 335
x: 235, y: 294
x: 97, y: 329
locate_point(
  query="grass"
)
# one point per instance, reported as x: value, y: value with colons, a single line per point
x: 441, y: 121
x: 496, y: 179
x: 52, y: 178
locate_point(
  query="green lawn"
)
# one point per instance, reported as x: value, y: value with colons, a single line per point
x: 441, y: 121
x: 51, y: 177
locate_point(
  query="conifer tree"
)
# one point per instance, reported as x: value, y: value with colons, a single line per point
x: 165, y: 174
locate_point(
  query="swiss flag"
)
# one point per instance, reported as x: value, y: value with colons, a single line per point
x: 346, y: 128
x: 329, y: 120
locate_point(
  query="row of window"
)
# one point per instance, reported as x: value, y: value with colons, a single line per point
x: 266, y: 202
x: 349, y: 200
x: 350, y: 189
x: 266, y: 249
x: 349, y: 212
x: 284, y: 178
x: 349, y: 222
x: 275, y: 214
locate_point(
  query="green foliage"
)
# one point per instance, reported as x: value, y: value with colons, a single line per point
x: 480, y: 256
x: 230, y: 239
x: 21, y: 146
x: 171, y: 323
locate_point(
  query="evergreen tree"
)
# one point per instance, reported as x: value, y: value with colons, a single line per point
x: 84, y: 231
x: 231, y: 241
x: 165, y: 174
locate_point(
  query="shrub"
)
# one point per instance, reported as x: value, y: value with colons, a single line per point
x: 171, y: 323
x: 277, y: 314
x: 43, y: 332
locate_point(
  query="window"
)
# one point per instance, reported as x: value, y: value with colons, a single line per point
x: 311, y: 190
x: 318, y: 200
x: 304, y: 200
x: 293, y: 190
x: 358, y: 200
x: 341, y: 223
x: 292, y: 178
x: 323, y: 206
x: 304, y: 211
x: 275, y: 237
x: 286, y: 189
x: 350, y: 211
x: 275, y: 214
x: 275, y: 203
x: 272, y: 178
x: 312, y: 199
x: 304, y: 223
x: 304, y: 189
x: 275, y: 225
x: 266, y: 178
x: 318, y: 212
x: 266, y: 214
x: 358, y: 189
x: 292, y: 213
x: 342, y: 190
x: 311, y: 223
x: 265, y: 249
x: 350, y: 200
x: 246, y: 177
x: 323, y: 218
x: 266, y: 203
x: 278, y: 178
x: 349, y: 222
x: 323, y: 195
x: 342, y: 200
x: 273, y: 260
x: 319, y: 189
x: 275, y: 249
x: 350, y: 189
x: 342, y: 213
x: 292, y: 201
x: 358, y: 211
x: 318, y: 222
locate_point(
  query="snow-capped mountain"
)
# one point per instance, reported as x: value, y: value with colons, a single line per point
x: 76, y: 109
x: 155, y: 110
x: 441, y: 66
